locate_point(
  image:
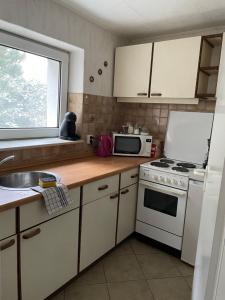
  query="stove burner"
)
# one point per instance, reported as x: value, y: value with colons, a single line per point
x: 168, y: 161
x: 186, y: 165
x: 180, y: 169
x: 159, y: 164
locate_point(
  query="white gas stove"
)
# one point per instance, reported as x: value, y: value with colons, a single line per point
x: 164, y: 183
x: 169, y: 172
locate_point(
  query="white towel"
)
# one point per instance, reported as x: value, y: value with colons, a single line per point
x: 55, y: 198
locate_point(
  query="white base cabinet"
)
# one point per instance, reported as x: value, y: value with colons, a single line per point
x: 49, y: 255
x: 127, y: 212
x: 8, y: 269
x: 98, y: 229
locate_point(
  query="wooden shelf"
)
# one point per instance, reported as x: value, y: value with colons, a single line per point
x: 213, y: 40
x: 210, y: 70
x: 206, y: 96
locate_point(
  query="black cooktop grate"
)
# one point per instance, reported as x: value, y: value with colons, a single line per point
x: 160, y: 164
x: 180, y: 169
x: 167, y: 161
x: 186, y: 165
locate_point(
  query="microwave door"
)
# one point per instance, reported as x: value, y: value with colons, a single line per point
x: 127, y: 145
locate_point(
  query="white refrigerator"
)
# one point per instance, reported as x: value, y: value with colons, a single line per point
x: 209, y: 275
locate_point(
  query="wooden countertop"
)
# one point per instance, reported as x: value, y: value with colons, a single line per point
x: 73, y: 173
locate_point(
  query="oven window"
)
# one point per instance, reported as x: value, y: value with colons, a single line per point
x: 127, y: 145
x: 161, y: 202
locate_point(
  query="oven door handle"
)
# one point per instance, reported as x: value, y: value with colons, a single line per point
x: 168, y: 190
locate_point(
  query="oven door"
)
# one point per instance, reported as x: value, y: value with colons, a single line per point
x: 161, y: 206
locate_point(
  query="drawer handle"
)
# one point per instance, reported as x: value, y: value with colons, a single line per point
x: 7, y: 245
x: 114, y: 196
x: 31, y: 234
x: 125, y: 192
x: 134, y: 176
x: 156, y: 94
x: 103, y: 187
x: 142, y: 94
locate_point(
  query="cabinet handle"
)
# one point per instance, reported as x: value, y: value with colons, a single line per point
x: 156, y: 94
x: 31, y: 234
x: 134, y: 176
x: 7, y: 245
x: 142, y: 94
x: 103, y: 187
x: 114, y: 196
x: 125, y: 192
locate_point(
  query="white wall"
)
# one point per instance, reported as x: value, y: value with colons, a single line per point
x: 53, y: 20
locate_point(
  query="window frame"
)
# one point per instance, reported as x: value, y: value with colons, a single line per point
x: 30, y: 46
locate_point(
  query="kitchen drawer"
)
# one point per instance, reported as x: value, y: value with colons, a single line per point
x: 35, y: 213
x: 129, y: 177
x: 100, y: 188
x: 7, y: 223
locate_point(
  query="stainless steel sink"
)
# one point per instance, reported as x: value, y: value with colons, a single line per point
x: 24, y: 180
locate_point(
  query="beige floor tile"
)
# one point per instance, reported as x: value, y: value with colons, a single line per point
x: 123, y: 249
x: 93, y: 275
x: 87, y: 292
x: 122, y: 268
x: 183, y: 268
x: 142, y: 248
x: 170, y: 289
x: 130, y: 290
x: 60, y: 296
x: 189, y: 280
x: 157, y: 265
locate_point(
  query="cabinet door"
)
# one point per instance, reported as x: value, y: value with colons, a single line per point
x: 7, y: 223
x: 132, y: 71
x: 127, y: 212
x: 175, y: 67
x: 98, y: 229
x: 8, y: 268
x: 49, y: 256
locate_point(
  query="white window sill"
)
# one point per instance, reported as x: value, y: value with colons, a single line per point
x: 31, y: 143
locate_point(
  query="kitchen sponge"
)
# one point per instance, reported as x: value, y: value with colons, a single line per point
x: 47, y: 182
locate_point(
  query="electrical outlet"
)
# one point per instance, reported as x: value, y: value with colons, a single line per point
x: 90, y: 138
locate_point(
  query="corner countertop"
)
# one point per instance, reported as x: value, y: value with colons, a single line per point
x: 73, y: 173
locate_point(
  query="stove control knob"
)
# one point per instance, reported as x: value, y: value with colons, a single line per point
x: 175, y: 182
x: 182, y: 183
x: 156, y: 178
x: 168, y: 180
x: 162, y: 179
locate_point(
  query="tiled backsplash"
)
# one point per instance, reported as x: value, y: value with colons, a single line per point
x: 101, y: 115
x: 155, y: 116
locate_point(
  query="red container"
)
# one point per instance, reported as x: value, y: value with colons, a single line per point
x: 105, y: 145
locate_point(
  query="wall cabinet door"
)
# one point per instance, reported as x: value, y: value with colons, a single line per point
x: 132, y: 71
x: 175, y: 67
x: 98, y: 229
x: 8, y: 268
x: 49, y: 254
x: 127, y: 212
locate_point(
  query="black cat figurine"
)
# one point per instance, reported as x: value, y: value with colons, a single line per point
x: 67, y: 129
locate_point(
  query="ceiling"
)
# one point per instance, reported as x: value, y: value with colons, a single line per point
x: 139, y: 18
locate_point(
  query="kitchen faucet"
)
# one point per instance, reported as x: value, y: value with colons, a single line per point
x: 4, y: 160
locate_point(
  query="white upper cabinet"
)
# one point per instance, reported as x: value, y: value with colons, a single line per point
x: 175, y: 68
x: 132, y: 71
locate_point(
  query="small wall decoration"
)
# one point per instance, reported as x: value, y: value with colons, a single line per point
x: 99, y: 71
x: 91, y: 79
x: 105, y: 63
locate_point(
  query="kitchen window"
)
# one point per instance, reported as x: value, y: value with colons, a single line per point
x: 33, y: 88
